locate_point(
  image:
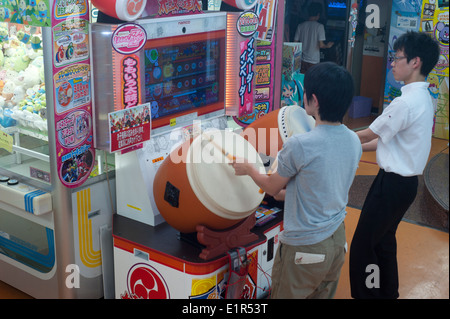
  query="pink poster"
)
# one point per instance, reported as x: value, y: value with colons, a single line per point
x: 264, y: 62
x: 129, y: 127
x: 246, y: 75
x: 72, y: 92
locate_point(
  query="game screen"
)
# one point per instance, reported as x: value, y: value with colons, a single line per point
x: 337, y: 9
x: 184, y: 74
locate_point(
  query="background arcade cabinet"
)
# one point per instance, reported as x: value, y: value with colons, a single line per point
x: 180, y: 75
x: 335, y: 20
x: 336, y: 29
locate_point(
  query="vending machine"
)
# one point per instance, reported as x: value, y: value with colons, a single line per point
x: 56, y: 190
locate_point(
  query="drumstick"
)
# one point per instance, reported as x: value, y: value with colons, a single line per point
x: 272, y: 168
x: 225, y: 153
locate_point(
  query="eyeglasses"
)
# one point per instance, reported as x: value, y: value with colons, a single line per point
x: 394, y: 58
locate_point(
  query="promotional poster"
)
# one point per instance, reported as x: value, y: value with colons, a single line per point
x: 72, y: 81
x: 435, y: 22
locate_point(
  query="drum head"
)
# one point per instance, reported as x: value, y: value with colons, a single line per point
x: 292, y: 119
x: 213, y: 180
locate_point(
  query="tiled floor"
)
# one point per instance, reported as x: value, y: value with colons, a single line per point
x: 423, y: 253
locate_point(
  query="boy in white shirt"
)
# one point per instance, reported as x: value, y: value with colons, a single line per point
x: 401, y: 136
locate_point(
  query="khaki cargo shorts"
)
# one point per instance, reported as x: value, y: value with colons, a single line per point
x: 310, y: 271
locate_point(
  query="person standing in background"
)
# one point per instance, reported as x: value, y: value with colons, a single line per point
x: 311, y: 34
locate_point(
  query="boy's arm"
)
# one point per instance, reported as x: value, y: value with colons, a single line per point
x: 281, y: 195
x: 370, y: 146
x: 328, y: 45
x: 366, y: 136
x: 270, y: 184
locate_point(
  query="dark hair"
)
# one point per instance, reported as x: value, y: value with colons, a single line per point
x: 419, y: 44
x: 314, y: 9
x: 333, y: 86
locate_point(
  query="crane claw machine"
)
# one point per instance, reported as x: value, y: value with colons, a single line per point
x: 56, y: 190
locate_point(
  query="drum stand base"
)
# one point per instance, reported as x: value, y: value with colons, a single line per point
x: 219, y: 242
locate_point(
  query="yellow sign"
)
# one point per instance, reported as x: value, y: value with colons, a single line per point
x: 6, y: 141
x: 434, y: 21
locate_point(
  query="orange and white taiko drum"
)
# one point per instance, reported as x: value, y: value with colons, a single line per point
x: 269, y: 132
x: 127, y: 10
x: 195, y: 185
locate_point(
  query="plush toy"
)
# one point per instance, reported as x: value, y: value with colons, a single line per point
x: 6, y: 119
x: 24, y: 37
x: 36, y: 42
x: 16, y: 59
x: 38, y: 62
x: 18, y: 95
x: 29, y: 119
x: 29, y: 78
x: 34, y: 54
x: 2, y: 80
x: 4, y: 36
x: 13, y: 46
x: 13, y: 28
x: 8, y: 92
x: 31, y: 112
x: 10, y: 76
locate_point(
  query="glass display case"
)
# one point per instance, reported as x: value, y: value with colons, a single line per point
x: 23, y: 110
x: 23, y: 103
x: 45, y: 224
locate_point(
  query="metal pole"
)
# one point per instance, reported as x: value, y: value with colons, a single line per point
x: 61, y: 195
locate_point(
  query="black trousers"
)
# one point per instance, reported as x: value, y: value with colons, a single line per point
x: 373, y: 250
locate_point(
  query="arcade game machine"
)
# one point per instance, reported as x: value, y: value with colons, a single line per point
x: 55, y: 200
x: 336, y: 31
x: 185, y: 224
x: 334, y: 17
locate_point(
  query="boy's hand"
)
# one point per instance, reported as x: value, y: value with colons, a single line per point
x: 241, y: 166
x: 270, y: 184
